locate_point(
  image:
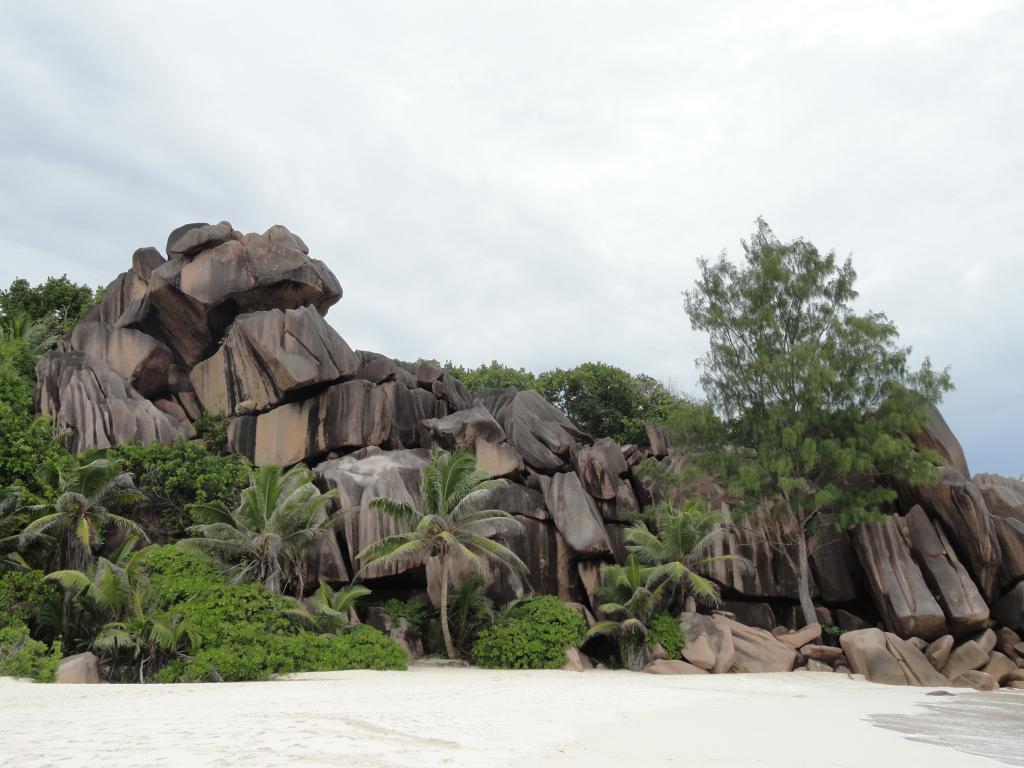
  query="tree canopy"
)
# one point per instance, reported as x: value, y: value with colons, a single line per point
x: 812, y: 394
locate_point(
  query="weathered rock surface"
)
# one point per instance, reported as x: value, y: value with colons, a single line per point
x: 95, y: 407
x: 139, y: 359
x: 897, y: 585
x: 959, y: 597
x: 673, y: 667
x: 345, y: 416
x: 958, y: 504
x: 757, y: 650
x: 575, y: 515
x: 699, y: 653
x: 540, y: 432
x: 937, y: 436
x: 967, y: 656
x: 266, y: 356
x: 359, y: 479
x: 882, y: 657
x: 79, y: 668
x: 600, y: 466
x: 938, y: 651
x: 976, y: 679
x: 463, y: 429
x: 717, y: 635
x: 1009, y: 609
x: 576, y: 661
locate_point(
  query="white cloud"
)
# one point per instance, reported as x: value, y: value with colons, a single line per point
x: 533, y: 182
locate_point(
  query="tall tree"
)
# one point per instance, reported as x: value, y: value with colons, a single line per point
x: 281, y: 516
x: 453, y: 520
x: 815, y: 397
x: 631, y: 593
x: 56, y: 305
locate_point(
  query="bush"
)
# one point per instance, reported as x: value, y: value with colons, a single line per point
x: 262, y: 656
x: 213, y: 429
x: 21, y: 656
x: 533, y: 635
x: 176, y: 574
x: 175, y: 478
x: 24, y: 597
x: 416, y: 611
x: 664, y: 629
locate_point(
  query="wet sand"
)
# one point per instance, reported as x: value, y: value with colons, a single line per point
x: 469, y: 717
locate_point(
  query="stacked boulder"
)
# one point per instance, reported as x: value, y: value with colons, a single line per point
x: 235, y: 323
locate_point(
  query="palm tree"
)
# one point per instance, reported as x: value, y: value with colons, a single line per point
x: 680, y: 547
x: 471, y: 610
x: 11, y: 522
x: 149, y: 634
x: 332, y: 609
x: 86, y: 493
x: 34, y: 333
x: 632, y: 593
x: 280, y: 517
x: 452, y: 492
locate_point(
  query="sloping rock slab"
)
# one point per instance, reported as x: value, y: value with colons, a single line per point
x: 757, y: 650
x: 897, y: 585
x: 575, y: 515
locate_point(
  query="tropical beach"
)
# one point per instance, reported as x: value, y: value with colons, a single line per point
x: 429, y: 717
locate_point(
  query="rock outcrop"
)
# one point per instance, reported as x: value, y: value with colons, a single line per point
x: 235, y: 323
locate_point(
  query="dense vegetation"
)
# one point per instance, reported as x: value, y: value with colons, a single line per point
x: 532, y: 634
x: 601, y: 399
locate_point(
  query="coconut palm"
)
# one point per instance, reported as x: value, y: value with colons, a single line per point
x: 470, y: 611
x: 680, y: 548
x: 12, y: 520
x: 267, y: 536
x: 452, y: 492
x: 34, y: 334
x: 632, y: 593
x: 87, y: 492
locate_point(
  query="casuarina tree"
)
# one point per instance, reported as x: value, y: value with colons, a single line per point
x: 817, y: 398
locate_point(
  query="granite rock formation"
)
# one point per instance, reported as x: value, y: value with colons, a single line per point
x: 235, y: 323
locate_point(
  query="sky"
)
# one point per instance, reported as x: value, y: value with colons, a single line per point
x: 534, y: 182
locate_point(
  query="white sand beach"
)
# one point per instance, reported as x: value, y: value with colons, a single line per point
x: 469, y: 717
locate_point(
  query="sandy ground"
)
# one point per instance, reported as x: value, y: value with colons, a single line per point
x: 468, y: 717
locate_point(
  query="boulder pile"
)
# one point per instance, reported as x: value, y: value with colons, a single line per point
x: 235, y: 323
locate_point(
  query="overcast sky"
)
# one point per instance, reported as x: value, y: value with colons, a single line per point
x: 533, y: 182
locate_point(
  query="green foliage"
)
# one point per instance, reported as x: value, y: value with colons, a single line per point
x: 260, y: 658
x: 332, y: 608
x: 212, y: 428
x: 417, y: 611
x: 470, y: 611
x: 493, y: 375
x: 452, y: 492
x: 600, y: 399
x: 812, y: 394
x: 87, y: 491
x: 177, y: 575
x: 282, y: 514
x: 175, y: 479
x: 665, y: 630
x: 21, y: 656
x: 534, y: 634
x: 632, y: 594
x: 25, y: 599
x: 58, y: 303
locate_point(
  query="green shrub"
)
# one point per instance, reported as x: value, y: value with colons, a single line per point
x: 664, y: 629
x: 175, y: 478
x: 533, y: 635
x: 177, y: 574
x: 212, y: 428
x: 265, y: 655
x: 24, y: 596
x: 21, y: 656
x: 416, y: 611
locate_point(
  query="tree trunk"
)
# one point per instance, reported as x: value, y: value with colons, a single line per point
x: 804, y: 580
x: 449, y: 647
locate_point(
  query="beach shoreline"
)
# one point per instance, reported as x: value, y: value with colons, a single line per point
x: 430, y: 717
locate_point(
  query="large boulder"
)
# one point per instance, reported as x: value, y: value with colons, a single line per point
x: 759, y: 568
x: 673, y: 667
x: 899, y: 589
x: 139, y: 359
x: 757, y: 650
x: 936, y: 435
x: 409, y: 407
x: 127, y: 288
x: 600, y: 466
x: 191, y: 300
x: 575, y: 515
x: 462, y: 429
x: 717, y: 636
x: 363, y: 476
x: 966, y: 657
x: 78, y: 669
x: 1009, y: 609
x: 94, y: 406
x: 541, y: 433
x: 623, y: 508
x: 1004, y: 497
x: 882, y: 657
x: 963, y: 604
x: 958, y: 504
x: 268, y: 356
x: 347, y: 416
